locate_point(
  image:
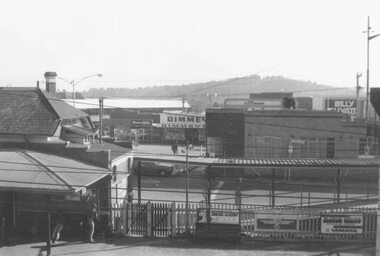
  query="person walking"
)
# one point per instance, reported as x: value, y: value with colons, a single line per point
x: 175, y: 147
x: 91, y: 218
x: 58, y: 227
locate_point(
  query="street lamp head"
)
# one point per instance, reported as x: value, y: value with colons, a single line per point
x: 99, y: 75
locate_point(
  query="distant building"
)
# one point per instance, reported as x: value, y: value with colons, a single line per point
x: 159, y: 121
x: 268, y: 125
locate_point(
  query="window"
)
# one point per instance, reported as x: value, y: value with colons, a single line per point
x: 215, y: 146
x: 315, y: 147
x: 267, y: 146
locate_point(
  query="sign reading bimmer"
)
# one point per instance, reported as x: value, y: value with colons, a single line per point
x: 182, y: 121
x: 342, y: 223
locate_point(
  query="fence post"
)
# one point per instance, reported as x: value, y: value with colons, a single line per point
x: 129, y: 219
x: 173, y: 220
x: 123, y: 217
x: 149, y: 219
x: 273, y: 188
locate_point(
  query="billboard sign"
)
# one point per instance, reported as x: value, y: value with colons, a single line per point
x: 142, y: 123
x: 347, y: 106
x: 182, y: 121
x: 218, y: 216
x: 342, y: 223
x: 276, y: 221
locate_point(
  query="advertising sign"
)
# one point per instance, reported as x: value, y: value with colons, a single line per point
x: 218, y: 216
x: 347, y: 106
x: 342, y: 223
x: 182, y: 121
x: 276, y: 221
x: 142, y: 123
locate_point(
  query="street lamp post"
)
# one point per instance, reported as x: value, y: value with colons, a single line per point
x: 367, y: 84
x: 77, y: 81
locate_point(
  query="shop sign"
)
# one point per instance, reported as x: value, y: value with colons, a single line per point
x: 276, y: 221
x: 182, y: 121
x: 342, y: 223
x: 142, y: 123
x: 218, y: 216
x: 347, y: 106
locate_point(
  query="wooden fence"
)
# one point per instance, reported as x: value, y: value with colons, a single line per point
x: 256, y: 222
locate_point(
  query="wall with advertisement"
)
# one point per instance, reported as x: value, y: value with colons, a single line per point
x: 168, y: 120
x: 183, y: 126
x: 342, y: 105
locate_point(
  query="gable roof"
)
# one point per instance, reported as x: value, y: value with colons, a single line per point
x: 41, y: 172
x: 31, y: 111
x: 63, y: 109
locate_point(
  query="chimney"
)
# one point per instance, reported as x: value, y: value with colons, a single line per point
x: 50, y: 82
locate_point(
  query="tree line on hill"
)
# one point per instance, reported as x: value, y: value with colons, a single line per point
x: 213, y: 93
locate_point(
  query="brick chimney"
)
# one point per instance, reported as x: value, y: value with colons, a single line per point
x: 50, y: 82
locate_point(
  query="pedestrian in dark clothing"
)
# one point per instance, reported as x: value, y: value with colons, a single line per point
x: 58, y: 227
x: 91, y: 218
x: 175, y: 147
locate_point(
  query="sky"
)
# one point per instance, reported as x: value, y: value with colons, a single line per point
x: 173, y: 42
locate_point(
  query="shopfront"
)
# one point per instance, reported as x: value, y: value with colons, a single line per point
x: 179, y: 127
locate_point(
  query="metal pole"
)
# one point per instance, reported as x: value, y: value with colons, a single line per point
x: 73, y: 83
x: 100, y: 119
x: 139, y: 182
x: 338, y: 186
x: 208, y: 215
x: 273, y: 188
x: 187, y: 188
x: 358, y: 75
x: 367, y: 83
x: 378, y: 216
x: 48, y: 246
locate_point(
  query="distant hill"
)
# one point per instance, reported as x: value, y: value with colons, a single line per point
x: 202, y: 95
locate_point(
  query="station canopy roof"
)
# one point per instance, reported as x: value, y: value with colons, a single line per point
x: 31, y: 171
x: 262, y: 162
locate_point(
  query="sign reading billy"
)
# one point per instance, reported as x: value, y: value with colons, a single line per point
x: 347, y: 106
x: 182, y: 121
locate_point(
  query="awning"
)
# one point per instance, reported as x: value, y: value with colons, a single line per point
x: 263, y: 162
x: 40, y: 172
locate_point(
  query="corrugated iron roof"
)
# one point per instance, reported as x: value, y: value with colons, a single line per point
x: 263, y: 162
x: 34, y: 171
x: 78, y: 130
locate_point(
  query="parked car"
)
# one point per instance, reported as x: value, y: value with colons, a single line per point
x: 154, y: 168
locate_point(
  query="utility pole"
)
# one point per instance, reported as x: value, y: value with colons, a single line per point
x: 100, y: 119
x: 358, y: 87
x: 367, y: 84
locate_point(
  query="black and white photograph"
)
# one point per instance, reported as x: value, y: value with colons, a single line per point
x: 208, y: 128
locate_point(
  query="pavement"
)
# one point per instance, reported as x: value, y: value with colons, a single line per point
x: 138, y: 246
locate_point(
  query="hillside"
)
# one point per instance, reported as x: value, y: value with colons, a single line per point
x: 202, y: 95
